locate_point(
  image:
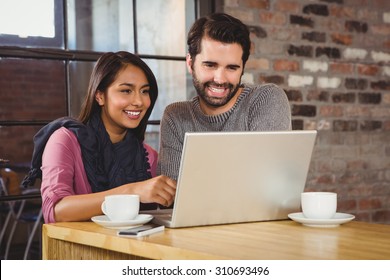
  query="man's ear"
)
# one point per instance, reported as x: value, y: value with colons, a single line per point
x: 189, y: 63
x: 99, y: 96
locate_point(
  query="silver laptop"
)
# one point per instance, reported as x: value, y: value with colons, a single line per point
x: 235, y: 177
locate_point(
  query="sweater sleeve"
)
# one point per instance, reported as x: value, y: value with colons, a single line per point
x: 171, y: 145
x: 63, y: 172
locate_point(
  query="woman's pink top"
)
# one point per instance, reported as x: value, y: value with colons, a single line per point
x: 63, y: 172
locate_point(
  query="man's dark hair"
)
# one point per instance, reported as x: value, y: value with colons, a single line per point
x: 220, y: 27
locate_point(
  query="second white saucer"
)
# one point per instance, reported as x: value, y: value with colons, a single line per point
x: 338, y: 219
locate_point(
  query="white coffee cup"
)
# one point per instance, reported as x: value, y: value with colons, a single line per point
x: 121, y: 207
x: 319, y: 205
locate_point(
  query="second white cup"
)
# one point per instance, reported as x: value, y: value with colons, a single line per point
x: 319, y: 205
x: 121, y: 207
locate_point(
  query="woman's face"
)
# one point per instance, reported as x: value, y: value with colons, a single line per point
x: 125, y: 103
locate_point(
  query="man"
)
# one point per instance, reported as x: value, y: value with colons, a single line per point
x: 218, y: 48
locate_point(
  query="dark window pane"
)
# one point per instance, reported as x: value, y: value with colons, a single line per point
x: 17, y: 144
x: 32, y: 89
x: 172, y: 83
x: 79, y: 74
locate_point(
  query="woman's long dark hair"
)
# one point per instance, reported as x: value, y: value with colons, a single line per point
x: 104, y: 74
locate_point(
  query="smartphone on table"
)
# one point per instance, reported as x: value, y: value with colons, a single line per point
x: 140, y: 231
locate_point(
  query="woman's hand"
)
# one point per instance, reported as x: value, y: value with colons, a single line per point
x: 160, y: 189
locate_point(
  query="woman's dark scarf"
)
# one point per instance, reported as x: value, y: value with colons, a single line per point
x: 107, y: 165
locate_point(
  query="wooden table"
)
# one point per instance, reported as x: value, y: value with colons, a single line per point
x: 277, y: 240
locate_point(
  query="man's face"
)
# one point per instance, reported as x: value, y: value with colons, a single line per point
x: 216, y: 74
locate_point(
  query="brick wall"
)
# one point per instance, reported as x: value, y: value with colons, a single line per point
x: 332, y: 58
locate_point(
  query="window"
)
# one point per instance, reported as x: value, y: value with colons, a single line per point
x: 25, y: 23
x: 48, y: 49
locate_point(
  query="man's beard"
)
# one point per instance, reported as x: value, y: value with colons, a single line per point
x: 212, y: 100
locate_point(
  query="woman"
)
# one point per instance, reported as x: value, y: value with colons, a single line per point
x: 102, y: 153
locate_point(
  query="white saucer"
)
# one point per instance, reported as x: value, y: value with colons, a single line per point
x: 338, y: 219
x: 104, y: 221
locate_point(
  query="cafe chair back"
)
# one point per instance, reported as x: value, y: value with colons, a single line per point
x: 18, y: 212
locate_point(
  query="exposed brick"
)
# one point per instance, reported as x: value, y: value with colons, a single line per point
x: 294, y: 95
x: 333, y: 1
x: 344, y: 97
x: 319, y: 37
x: 342, y: 125
x: 380, y: 56
x: 231, y: 3
x: 328, y: 51
x: 257, y: 31
x: 342, y: 68
x: 381, y: 216
x: 258, y: 64
x: 351, y: 53
x: 386, y: 17
x: 380, y: 29
x: 370, y: 70
x: 316, y: 95
x: 356, y: 26
x: 357, y: 111
x: 323, y: 125
x: 342, y: 11
x: 342, y: 39
x: 386, y: 98
x: 370, y: 98
x: 368, y: 14
x: 310, y: 124
x: 244, y: 14
x: 265, y: 48
x: 256, y: 4
x: 351, y: 178
x: 306, y: 51
x: 303, y: 110
x: 315, y: 66
x: 380, y: 112
x: 357, y: 165
x: 361, y: 216
x: 386, y: 127
x: 303, y: 21
x: 319, y: 10
x: 328, y: 82
x: 275, y: 79
x: 287, y: 6
x: 386, y: 70
x: 273, y: 18
x: 331, y: 111
x: 351, y: 83
x: 381, y: 85
x: 370, y: 125
x: 281, y: 33
x: 286, y: 65
x: 326, y: 179
x: 300, y: 81
x: 297, y: 124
